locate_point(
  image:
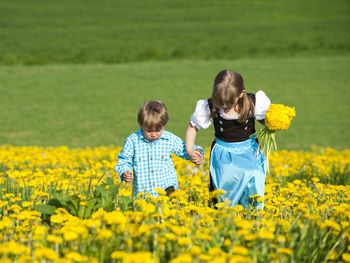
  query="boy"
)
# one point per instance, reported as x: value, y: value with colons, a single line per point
x: 148, y: 152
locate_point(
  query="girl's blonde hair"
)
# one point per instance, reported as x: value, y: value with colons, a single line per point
x: 229, y: 92
x: 152, y: 115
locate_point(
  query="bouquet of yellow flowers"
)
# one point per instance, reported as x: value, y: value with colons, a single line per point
x: 278, y: 117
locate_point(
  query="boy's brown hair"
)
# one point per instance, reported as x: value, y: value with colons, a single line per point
x: 152, y: 115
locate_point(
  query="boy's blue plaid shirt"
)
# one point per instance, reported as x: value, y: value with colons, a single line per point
x: 151, y: 161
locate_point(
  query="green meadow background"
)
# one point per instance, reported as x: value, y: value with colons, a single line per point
x: 75, y: 72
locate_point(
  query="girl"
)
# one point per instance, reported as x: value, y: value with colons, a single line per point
x: 237, y: 164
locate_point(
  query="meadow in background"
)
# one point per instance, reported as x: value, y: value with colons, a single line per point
x: 74, y: 73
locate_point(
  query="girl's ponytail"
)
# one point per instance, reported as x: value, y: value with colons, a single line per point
x: 246, y: 108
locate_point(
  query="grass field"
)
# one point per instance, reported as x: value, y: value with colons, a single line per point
x: 80, y: 31
x: 90, y: 105
x: 75, y: 73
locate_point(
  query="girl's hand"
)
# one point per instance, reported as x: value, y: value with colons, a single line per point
x: 196, y: 157
x: 128, y: 177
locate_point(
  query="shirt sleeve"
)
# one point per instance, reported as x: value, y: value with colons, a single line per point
x: 262, y: 104
x: 201, y: 118
x: 125, y: 158
x: 179, y: 148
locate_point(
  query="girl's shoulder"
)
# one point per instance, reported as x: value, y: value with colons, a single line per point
x: 262, y: 104
x: 260, y: 94
x: 203, y: 106
x: 203, y: 102
x: 261, y: 98
x: 201, y: 117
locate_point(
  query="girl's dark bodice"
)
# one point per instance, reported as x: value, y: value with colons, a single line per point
x: 232, y: 130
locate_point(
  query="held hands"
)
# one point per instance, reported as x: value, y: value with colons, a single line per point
x: 128, y: 177
x: 196, y: 157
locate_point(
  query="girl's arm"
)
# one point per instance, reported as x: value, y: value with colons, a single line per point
x: 179, y: 148
x: 262, y: 104
x: 191, y: 133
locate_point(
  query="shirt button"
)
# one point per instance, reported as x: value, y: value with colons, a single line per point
x: 246, y: 121
x: 246, y: 128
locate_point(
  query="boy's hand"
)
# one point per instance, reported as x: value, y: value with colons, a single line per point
x: 196, y: 157
x: 127, y: 176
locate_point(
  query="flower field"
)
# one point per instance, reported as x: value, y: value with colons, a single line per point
x: 67, y: 205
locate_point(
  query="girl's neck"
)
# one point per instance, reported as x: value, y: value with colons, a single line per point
x: 231, y: 112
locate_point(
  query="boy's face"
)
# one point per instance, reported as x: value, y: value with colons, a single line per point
x: 152, y: 134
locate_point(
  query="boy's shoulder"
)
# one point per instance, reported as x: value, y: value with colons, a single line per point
x: 169, y: 135
x: 134, y: 136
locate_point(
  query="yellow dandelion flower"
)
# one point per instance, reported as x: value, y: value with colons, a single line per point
x: 331, y: 224
x: 15, y: 208
x: 238, y: 208
x: 184, y: 241
x: 183, y: 258
x: 250, y: 237
x: 76, y: 257
x: 57, y: 219
x: 160, y: 191
x: 104, y: 234
x: 286, y: 251
x: 239, y: 259
x: 265, y: 234
x: 278, y: 117
x: 281, y: 239
x: 217, y: 192
x: 170, y: 236
x: 54, y: 239
x: 3, y: 203
x: 140, y: 256
x: 227, y: 242
x: 119, y: 254
x: 315, y: 179
x: 46, y: 253
x: 332, y: 255
x: 196, y: 250
x: 148, y: 208
x: 70, y: 235
x: 240, y: 250
x: 115, y: 218
x: 215, y: 251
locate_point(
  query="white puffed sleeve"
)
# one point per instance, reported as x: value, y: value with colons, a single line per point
x: 201, y: 118
x: 262, y: 104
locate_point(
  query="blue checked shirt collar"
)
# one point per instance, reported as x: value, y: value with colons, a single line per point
x: 164, y: 136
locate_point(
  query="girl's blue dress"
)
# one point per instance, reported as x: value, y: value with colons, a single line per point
x: 238, y: 168
x: 237, y: 165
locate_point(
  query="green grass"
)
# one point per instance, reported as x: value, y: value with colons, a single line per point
x: 109, y: 31
x: 90, y: 105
